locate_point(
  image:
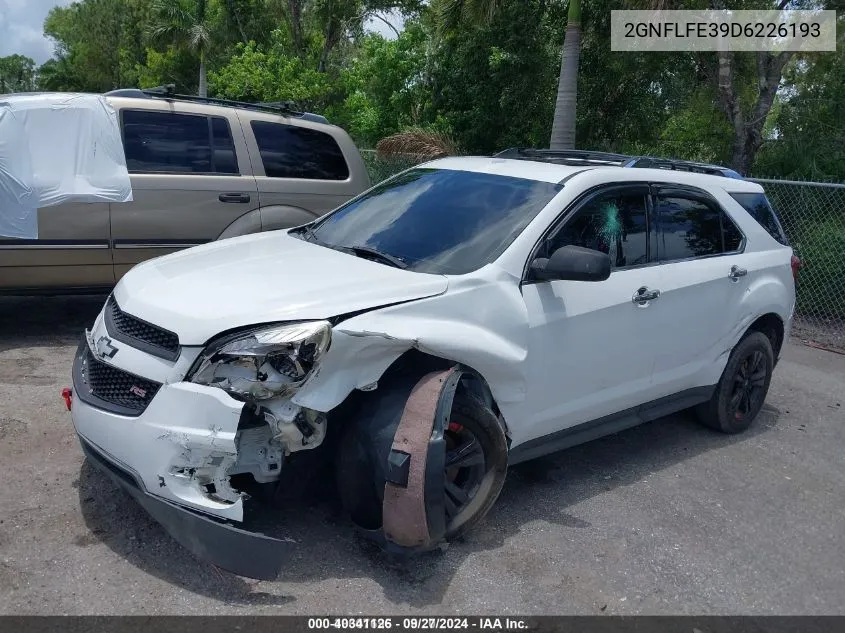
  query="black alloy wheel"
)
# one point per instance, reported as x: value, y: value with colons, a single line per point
x: 741, y: 391
x: 475, y: 466
x: 749, y: 385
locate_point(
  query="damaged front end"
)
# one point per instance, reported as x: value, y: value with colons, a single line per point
x: 183, y: 438
x: 226, y: 420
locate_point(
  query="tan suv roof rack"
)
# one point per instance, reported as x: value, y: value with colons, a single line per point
x: 168, y: 92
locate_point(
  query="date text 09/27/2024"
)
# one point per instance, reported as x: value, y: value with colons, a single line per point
x: 419, y: 623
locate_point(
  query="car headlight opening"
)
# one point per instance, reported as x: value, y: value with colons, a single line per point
x: 264, y: 363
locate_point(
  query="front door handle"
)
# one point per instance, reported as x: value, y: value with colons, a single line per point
x: 643, y: 295
x: 233, y: 197
x: 736, y: 273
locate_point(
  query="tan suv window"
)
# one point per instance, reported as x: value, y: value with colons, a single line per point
x: 290, y: 151
x: 156, y: 142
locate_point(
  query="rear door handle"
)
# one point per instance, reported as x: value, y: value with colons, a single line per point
x: 233, y: 197
x: 736, y: 273
x: 643, y: 295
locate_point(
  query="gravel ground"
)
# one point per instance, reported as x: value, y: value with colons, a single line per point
x: 827, y: 333
x: 667, y: 518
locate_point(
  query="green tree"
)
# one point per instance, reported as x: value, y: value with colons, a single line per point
x: 253, y: 74
x: 452, y: 12
x: 98, y: 44
x: 807, y: 139
x: 386, y: 85
x: 172, y: 65
x: 493, y: 82
x: 748, y: 83
x: 188, y: 24
x: 17, y: 74
x: 57, y: 75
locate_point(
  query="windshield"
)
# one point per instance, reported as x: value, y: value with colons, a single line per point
x: 435, y: 220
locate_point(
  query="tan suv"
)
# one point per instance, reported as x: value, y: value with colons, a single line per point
x: 201, y: 170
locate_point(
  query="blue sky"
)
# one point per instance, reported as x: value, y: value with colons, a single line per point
x: 22, y: 22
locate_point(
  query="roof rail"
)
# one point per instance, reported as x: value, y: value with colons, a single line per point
x: 588, y: 158
x: 168, y: 92
x: 564, y: 156
x: 651, y: 162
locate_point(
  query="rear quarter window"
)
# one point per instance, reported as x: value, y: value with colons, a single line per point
x: 290, y: 151
x: 689, y: 227
x: 758, y: 207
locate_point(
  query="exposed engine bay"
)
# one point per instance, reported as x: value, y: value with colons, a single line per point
x: 267, y: 435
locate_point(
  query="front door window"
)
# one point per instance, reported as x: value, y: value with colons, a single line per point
x: 614, y: 223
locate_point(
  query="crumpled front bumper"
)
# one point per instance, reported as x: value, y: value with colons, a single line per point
x: 154, y: 456
x: 239, y: 551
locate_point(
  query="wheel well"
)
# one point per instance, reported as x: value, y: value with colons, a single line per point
x: 417, y: 363
x: 772, y: 326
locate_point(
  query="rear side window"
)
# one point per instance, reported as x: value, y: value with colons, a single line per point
x: 166, y: 142
x: 691, y: 227
x: 289, y: 151
x: 759, y: 208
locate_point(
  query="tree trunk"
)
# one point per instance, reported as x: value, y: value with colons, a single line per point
x: 203, y: 87
x: 232, y: 10
x: 295, y: 19
x: 332, y: 36
x: 748, y: 129
x: 748, y: 126
x: 563, y: 124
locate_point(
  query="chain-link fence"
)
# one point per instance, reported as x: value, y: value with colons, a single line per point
x: 813, y: 217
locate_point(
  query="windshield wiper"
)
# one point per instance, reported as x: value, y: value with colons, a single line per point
x: 308, y: 235
x: 384, y: 258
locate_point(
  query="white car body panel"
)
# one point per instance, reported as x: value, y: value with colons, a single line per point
x: 203, y: 291
x: 554, y: 354
x: 584, y: 365
x: 479, y: 321
x: 161, y: 443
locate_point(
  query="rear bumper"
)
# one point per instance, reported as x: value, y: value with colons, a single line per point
x: 230, y: 548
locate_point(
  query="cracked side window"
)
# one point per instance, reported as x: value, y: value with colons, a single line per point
x: 614, y: 223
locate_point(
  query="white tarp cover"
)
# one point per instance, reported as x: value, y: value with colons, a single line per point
x: 55, y: 148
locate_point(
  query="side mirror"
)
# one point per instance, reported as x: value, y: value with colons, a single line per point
x: 573, y: 263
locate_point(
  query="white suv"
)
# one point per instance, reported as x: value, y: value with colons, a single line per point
x: 464, y: 315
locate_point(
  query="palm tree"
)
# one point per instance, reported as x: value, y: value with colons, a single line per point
x: 185, y: 23
x: 450, y: 12
x: 563, y: 124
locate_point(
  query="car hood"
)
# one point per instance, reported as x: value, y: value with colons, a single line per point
x: 202, y: 291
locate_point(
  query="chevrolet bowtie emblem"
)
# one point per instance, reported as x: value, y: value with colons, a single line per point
x: 104, y: 347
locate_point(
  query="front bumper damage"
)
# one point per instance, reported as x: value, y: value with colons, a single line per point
x: 185, y: 441
x: 239, y: 551
x: 175, y: 456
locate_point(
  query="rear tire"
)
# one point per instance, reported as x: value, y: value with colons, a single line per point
x: 741, y: 391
